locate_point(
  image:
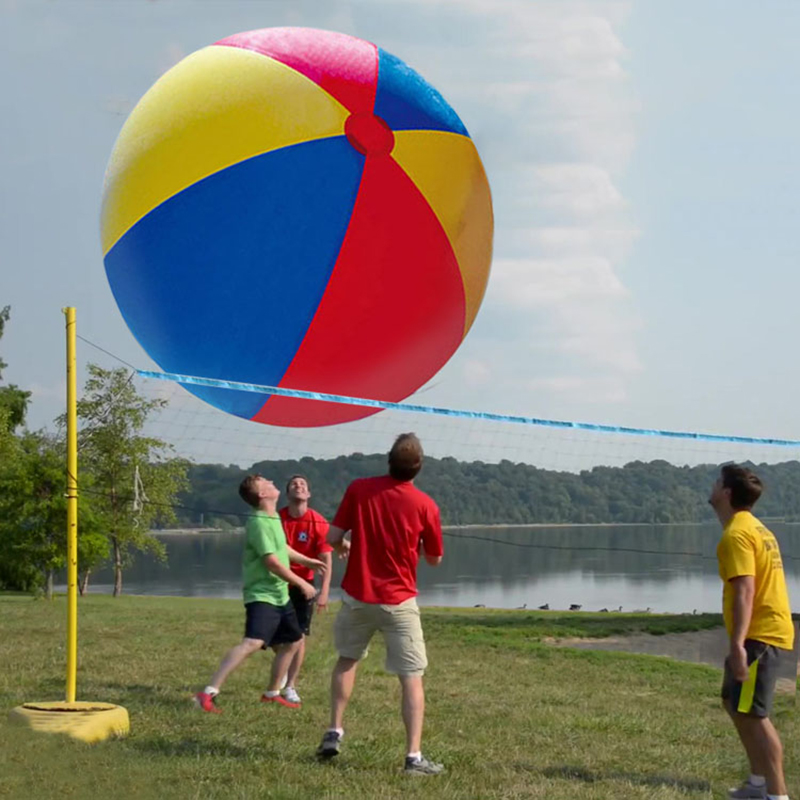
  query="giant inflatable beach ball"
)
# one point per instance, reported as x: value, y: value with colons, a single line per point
x: 297, y: 208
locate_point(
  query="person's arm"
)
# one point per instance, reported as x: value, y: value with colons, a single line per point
x: 342, y: 523
x: 744, y: 589
x: 268, y: 541
x: 337, y: 540
x: 323, y: 552
x: 738, y: 569
x: 322, y: 599
x: 305, y: 561
x: 431, y: 541
x: 273, y: 564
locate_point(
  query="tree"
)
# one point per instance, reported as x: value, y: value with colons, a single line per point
x: 30, y: 495
x: 34, y: 512
x: 93, y: 545
x: 13, y: 400
x: 133, y: 479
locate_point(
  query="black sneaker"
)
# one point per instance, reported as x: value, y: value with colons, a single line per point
x: 330, y: 744
x: 421, y: 766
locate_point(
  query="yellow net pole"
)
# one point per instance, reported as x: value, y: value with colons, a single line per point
x: 72, y: 509
x: 94, y: 721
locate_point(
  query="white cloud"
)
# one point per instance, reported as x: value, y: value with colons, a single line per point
x: 613, y: 243
x: 546, y: 283
x: 571, y: 43
x: 591, y: 389
x: 563, y: 132
x: 475, y: 372
x: 579, y: 190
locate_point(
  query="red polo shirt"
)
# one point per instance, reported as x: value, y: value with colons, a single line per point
x: 308, y: 535
x: 388, y: 520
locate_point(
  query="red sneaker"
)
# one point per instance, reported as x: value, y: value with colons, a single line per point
x: 206, y: 702
x: 280, y: 700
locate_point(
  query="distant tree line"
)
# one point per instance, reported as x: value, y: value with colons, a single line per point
x: 476, y: 492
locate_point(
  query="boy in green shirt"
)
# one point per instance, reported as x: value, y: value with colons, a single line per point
x: 270, y: 617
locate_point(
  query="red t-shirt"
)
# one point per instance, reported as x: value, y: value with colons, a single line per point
x: 306, y: 534
x: 388, y: 519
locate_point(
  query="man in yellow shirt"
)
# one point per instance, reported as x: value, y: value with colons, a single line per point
x: 759, y: 622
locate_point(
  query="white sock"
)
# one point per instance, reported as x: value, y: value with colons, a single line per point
x: 212, y: 690
x: 416, y: 756
x: 268, y: 693
x: 340, y: 731
x: 757, y: 780
x: 777, y: 797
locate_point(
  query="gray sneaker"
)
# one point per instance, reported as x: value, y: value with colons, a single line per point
x: 330, y: 745
x: 421, y: 766
x: 747, y: 791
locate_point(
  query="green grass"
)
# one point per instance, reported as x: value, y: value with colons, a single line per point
x: 509, y: 715
x: 491, y: 624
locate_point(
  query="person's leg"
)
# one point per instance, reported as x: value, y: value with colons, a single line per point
x: 406, y: 657
x: 343, y: 680
x: 413, y: 706
x: 753, y: 752
x: 206, y: 699
x: 259, y: 626
x: 749, y: 703
x: 285, y: 642
x: 233, y: 658
x: 764, y: 748
x: 352, y: 631
x: 303, y: 609
x: 284, y: 653
x: 296, y: 663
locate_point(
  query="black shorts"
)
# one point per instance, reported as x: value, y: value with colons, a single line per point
x: 304, y: 609
x: 754, y: 696
x: 274, y: 625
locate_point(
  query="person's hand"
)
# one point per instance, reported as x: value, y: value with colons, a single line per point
x: 322, y: 601
x: 343, y: 549
x: 317, y: 565
x: 308, y: 590
x: 737, y: 661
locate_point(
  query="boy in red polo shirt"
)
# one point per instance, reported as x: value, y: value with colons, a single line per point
x: 306, y: 532
x: 391, y: 522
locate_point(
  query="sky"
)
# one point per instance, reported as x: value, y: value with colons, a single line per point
x: 645, y: 178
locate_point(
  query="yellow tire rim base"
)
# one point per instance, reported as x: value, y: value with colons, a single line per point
x: 88, y: 722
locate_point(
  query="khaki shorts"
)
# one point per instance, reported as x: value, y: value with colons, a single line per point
x: 400, y: 625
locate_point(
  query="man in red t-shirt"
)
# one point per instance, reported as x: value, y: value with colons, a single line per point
x: 306, y: 532
x: 390, y: 523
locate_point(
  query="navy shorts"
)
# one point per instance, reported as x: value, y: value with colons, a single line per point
x: 303, y: 608
x: 274, y: 625
x: 754, y: 696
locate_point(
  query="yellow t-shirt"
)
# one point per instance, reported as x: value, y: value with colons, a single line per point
x: 748, y: 548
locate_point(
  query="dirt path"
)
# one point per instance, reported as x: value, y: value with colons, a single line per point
x: 698, y: 647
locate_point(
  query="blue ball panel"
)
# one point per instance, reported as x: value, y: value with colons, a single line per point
x: 406, y: 101
x: 235, y: 266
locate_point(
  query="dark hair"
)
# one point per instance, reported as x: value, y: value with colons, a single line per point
x: 745, y: 485
x: 248, y: 491
x: 405, y: 457
x: 297, y: 476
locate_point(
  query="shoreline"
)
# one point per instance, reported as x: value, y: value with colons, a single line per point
x: 473, y: 525
x: 503, y: 526
x: 500, y: 526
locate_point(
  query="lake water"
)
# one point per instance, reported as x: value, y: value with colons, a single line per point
x: 668, y: 568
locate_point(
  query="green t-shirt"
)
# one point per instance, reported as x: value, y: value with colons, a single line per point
x: 264, y: 535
